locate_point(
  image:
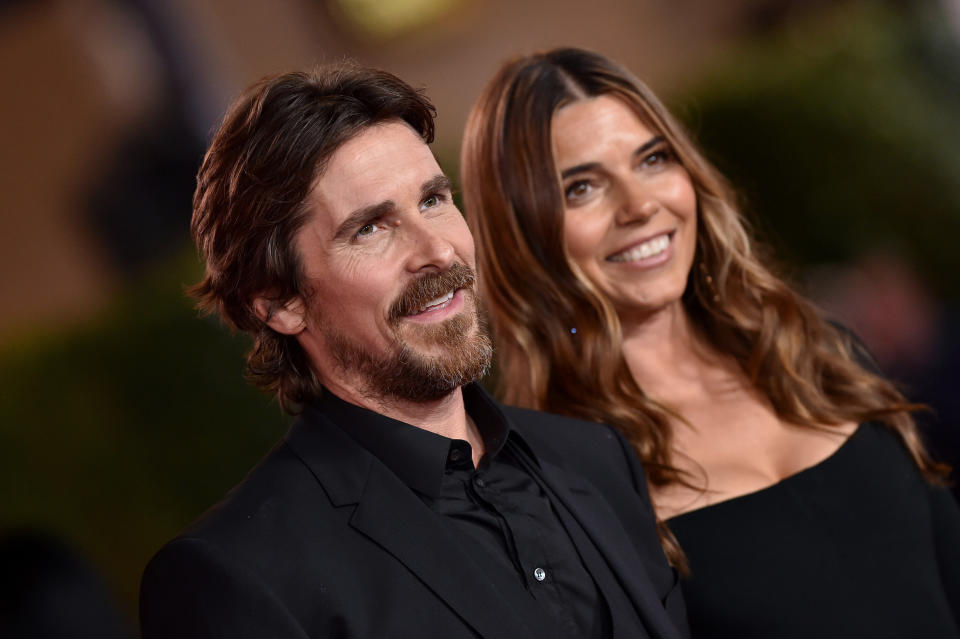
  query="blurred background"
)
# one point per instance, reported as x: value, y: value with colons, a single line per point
x: 123, y: 416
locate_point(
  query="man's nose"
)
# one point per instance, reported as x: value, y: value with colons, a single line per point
x: 429, y: 248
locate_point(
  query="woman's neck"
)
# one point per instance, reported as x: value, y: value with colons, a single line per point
x: 668, y: 356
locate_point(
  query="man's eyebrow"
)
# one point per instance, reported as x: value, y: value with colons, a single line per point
x: 438, y: 182
x: 589, y: 166
x: 363, y: 216
x: 371, y: 213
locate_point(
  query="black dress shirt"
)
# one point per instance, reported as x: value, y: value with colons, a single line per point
x: 502, y: 511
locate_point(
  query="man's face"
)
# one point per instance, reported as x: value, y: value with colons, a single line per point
x: 389, y: 261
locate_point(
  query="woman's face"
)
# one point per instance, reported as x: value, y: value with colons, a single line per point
x: 630, y: 212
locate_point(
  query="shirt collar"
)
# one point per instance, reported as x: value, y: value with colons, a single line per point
x: 417, y: 456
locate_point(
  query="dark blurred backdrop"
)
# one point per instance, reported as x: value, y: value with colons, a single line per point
x: 836, y: 120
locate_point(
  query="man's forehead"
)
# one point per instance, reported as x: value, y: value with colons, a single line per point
x: 383, y: 162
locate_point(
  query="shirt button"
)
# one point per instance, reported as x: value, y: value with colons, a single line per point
x: 479, y: 481
x: 539, y: 574
x: 455, y: 455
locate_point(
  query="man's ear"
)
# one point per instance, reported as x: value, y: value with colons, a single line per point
x: 286, y: 319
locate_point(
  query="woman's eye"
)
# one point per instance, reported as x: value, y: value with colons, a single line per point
x: 578, y: 190
x: 657, y: 157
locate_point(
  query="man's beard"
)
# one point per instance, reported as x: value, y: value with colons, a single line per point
x: 407, y: 373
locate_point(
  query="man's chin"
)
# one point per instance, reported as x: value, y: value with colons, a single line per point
x: 415, y: 375
x: 434, y: 339
x: 430, y: 361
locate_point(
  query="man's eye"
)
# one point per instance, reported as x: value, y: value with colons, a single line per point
x: 367, y: 229
x: 431, y: 201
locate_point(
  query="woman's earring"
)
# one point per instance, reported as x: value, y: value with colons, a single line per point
x: 709, y: 281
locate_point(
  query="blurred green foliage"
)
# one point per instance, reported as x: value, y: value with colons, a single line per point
x: 118, y: 434
x: 841, y: 135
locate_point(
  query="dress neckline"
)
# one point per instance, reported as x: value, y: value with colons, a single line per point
x: 777, y: 485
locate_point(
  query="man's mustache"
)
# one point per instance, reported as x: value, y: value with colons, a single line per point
x: 429, y: 287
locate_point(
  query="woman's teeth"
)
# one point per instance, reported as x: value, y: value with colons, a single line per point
x: 649, y: 248
x: 437, y: 302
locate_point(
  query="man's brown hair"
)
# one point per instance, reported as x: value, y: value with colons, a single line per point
x: 251, y: 194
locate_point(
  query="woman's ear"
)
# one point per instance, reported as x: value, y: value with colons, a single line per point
x: 288, y: 319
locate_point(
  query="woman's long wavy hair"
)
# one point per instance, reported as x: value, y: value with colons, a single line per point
x: 806, y: 367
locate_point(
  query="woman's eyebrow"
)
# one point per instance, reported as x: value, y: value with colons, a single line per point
x: 649, y: 144
x: 590, y: 166
x: 580, y: 168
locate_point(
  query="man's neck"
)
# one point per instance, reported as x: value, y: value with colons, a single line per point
x: 446, y: 416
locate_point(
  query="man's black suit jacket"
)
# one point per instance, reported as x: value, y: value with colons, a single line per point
x: 323, y: 540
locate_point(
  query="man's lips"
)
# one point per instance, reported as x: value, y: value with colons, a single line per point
x: 433, y: 292
x: 440, y: 308
x: 434, y: 304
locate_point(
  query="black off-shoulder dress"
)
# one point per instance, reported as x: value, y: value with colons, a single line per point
x: 858, y: 545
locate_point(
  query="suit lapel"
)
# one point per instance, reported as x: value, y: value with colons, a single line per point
x: 396, y: 519
x: 594, y: 514
x: 391, y: 515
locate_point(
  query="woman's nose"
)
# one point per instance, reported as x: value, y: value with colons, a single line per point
x: 637, y: 204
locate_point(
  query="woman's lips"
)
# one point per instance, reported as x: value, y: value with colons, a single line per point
x: 647, y: 250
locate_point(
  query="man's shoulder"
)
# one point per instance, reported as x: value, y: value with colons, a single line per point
x: 265, y: 498
x: 275, y: 527
x: 559, y: 430
x: 262, y: 552
x: 315, y: 464
x: 592, y: 449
